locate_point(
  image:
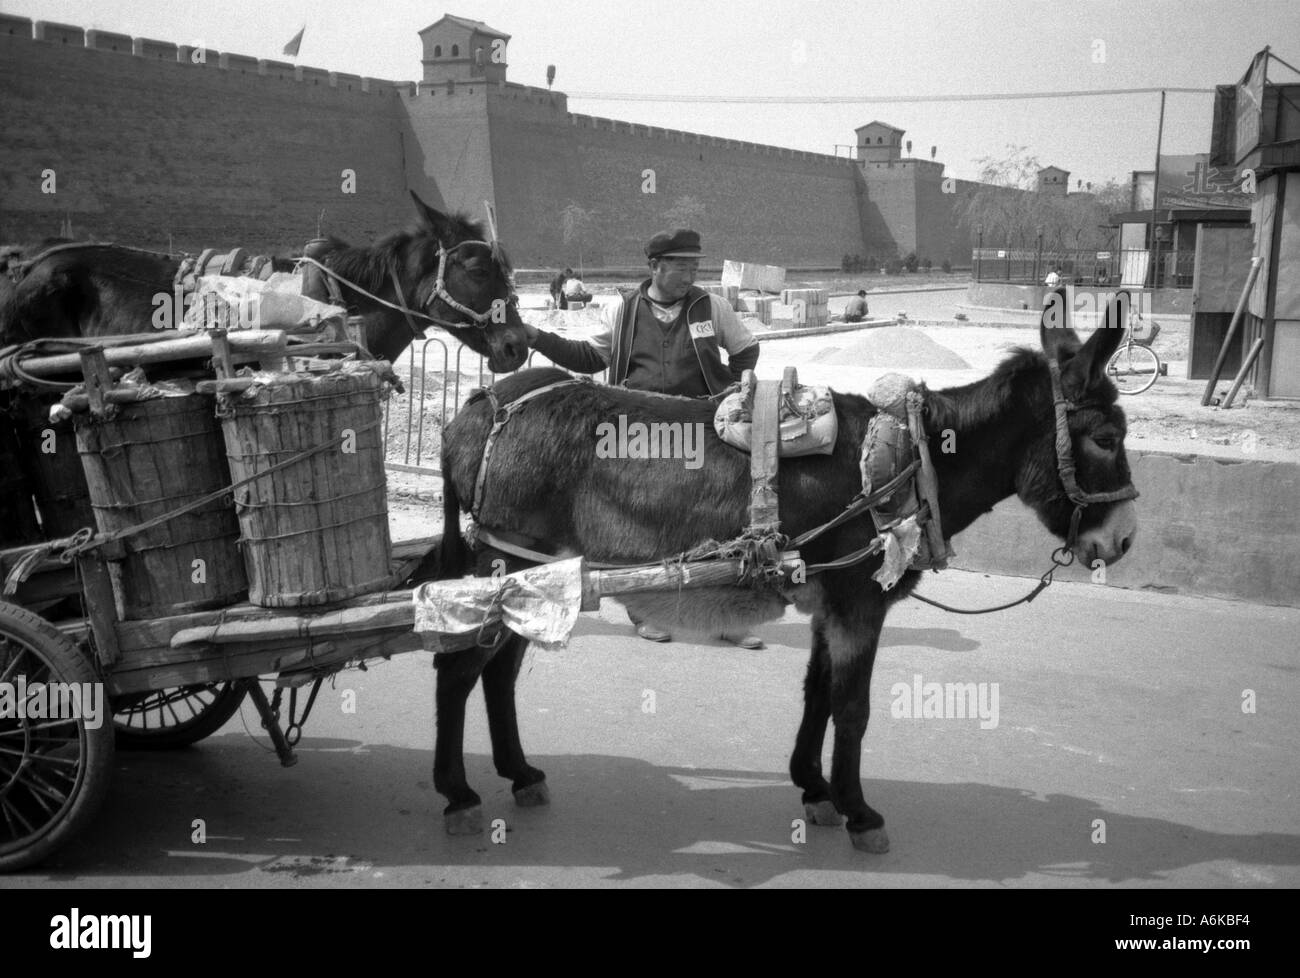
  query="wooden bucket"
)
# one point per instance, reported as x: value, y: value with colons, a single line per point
x: 150, y: 458
x: 316, y: 531
x: 54, y: 468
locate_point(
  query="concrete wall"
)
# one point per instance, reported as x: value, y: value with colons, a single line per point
x: 1224, y: 527
x: 143, y: 147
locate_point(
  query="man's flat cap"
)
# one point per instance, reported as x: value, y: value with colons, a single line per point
x: 679, y: 243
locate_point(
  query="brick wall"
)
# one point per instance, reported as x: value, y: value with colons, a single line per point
x: 761, y: 204
x: 143, y: 147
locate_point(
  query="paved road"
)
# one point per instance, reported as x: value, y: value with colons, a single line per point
x: 1114, y: 707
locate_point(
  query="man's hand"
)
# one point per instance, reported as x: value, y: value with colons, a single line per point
x: 530, y: 333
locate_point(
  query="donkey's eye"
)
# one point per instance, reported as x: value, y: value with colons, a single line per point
x: 1107, y: 443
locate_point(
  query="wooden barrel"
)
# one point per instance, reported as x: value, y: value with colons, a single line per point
x: 54, y: 468
x: 316, y: 531
x: 150, y: 458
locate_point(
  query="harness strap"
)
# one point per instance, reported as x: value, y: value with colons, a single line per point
x: 500, y: 415
x: 406, y: 313
x: 1065, y: 450
x: 764, y: 510
x: 927, y: 482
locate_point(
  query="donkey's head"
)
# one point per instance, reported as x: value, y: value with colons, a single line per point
x: 475, y: 290
x: 1077, y: 463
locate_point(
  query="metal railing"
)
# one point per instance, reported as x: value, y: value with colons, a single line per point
x: 432, y: 400
x: 1131, y: 266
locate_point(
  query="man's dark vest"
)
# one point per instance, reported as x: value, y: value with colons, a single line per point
x: 696, y: 316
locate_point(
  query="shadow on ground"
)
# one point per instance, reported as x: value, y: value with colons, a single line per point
x: 621, y: 819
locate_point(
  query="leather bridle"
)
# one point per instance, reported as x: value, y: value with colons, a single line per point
x: 1065, y: 466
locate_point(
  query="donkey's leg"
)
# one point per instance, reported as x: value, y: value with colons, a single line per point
x: 852, y: 636
x: 528, y: 783
x: 806, y: 761
x: 457, y: 674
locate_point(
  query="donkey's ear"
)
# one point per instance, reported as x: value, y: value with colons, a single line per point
x: 434, y: 220
x: 1105, y: 340
x: 1054, y: 333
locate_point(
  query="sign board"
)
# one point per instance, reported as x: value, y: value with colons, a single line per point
x: 1250, y: 105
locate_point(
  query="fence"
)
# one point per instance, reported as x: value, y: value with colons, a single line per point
x: 413, y: 423
x: 1129, y: 266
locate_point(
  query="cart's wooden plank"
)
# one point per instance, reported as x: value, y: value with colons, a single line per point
x: 101, y: 608
x: 245, y: 344
x: 211, y: 664
x: 157, y: 632
x: 374, y: 618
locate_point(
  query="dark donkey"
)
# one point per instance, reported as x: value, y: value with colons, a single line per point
x: 547, y: 487
x: 106, y: 290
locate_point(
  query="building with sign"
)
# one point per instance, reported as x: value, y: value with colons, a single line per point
x: 1257, y: 132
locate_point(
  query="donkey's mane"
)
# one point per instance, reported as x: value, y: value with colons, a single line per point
x: 368, y: 265
x: 1014, y: 385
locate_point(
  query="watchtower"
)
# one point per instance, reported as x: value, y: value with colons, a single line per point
x: 458, y: 49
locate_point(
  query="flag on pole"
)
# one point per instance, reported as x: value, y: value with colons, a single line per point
x: 292, y: 47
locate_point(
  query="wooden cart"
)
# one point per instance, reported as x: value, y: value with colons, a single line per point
x: 173, y: 680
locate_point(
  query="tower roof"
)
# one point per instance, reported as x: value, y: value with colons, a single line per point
x: 879, y: 125
x: 474, y: 25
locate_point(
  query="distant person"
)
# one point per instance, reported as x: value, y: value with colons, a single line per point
x: 856, y: 310
x: 574, y: 290
x: 1053, y: 279
x: 557, y: 288
x: 667, y: 336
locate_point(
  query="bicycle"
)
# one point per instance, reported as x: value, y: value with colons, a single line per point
x: 1135, y: 367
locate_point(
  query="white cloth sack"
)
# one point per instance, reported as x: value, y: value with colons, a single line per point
x: 238, y: 302
x: 540, y: 603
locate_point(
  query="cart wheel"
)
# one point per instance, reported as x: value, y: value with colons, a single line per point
x: 54, y: 773
x: 176, y: 717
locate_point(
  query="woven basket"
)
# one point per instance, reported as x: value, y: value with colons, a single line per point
x: 315, y: 532
x: 150, y: 458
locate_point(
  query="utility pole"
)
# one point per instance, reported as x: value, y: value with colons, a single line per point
x: 1155, y: 204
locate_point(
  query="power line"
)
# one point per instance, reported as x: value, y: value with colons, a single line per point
x: 872, y: 99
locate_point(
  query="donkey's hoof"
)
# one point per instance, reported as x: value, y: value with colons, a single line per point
x: 464, y: 821
x: 822, y: 813
x: 872, y: 840
x: 533, y: 796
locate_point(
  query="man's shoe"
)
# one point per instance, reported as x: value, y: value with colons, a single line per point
x: 652, y: 634
x: 744, y: 641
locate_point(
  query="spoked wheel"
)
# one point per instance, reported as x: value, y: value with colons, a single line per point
x: 1133, y: 368
x: 177, y: 717
x: 55, y: 766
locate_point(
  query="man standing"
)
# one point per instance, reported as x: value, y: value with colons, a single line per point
x: 856, y: 310
x: 665, y: 336
x: 557, y: 288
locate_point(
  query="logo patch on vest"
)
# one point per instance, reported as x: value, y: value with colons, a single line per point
x: 701, y: 330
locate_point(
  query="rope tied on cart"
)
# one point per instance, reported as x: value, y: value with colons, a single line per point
x: 86, y: 540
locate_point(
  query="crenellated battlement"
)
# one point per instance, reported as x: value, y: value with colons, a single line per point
x: 151, y: 49
x: 599, y: 123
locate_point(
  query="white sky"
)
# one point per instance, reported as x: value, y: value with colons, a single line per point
x: 867, y: 47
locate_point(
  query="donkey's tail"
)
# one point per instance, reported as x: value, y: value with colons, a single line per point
x: 453, y: 555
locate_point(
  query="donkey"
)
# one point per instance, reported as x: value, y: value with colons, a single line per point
x: 105, y: 290
x: 547, y: 488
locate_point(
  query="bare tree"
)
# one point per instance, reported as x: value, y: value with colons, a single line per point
x: 580, y: 227
x: 1006, y: 205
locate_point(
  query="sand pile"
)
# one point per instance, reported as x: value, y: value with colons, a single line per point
x: 893, y: 346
